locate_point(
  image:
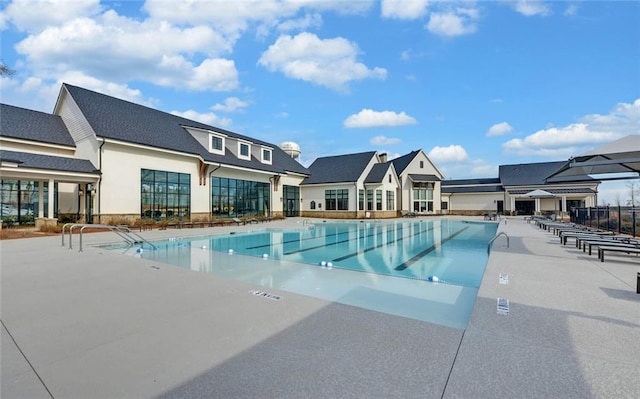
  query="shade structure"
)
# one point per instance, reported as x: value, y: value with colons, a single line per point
x: 617, y: 160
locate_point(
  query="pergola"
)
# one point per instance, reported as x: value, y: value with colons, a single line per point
x: 618, y: 160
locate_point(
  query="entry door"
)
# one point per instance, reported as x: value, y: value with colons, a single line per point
x: 291, y: 210
x: 500, y: 206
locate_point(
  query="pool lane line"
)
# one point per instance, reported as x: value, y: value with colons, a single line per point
x: 424, y: 253
x: 381, y: 245
x: 299, y: 240
x: 335, y: 243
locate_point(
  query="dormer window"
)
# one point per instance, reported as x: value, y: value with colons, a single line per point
x: 216, y: 144
x: 244, y: 150
x: 267, y: 153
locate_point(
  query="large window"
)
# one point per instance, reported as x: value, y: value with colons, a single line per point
x: 369, y: 200
x: 20, y: 198
x: 391, y: 202
x: 423, y: 197
x: 336, y: 200
x: 165, y: 195
x: 378, y: 200
x: 233, y: 198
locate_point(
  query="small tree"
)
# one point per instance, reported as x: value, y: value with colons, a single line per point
x: 634, y: 191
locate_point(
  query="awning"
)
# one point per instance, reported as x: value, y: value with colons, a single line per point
x: 614, y: 161
x: 424, y: 178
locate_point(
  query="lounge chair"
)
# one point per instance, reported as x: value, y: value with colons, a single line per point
x: 239, y: 221
x: 627, y: 250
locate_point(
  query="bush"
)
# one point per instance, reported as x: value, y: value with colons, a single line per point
x: 51, y: 228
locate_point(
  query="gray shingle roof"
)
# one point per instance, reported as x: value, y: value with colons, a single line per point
x: 557, y: 191
x: 26, y: 124
x: 401, y: 163
x: 527, y: 174
x: 48, y: 162
x: 472, y: 189
x: 462, y: 182
x: 377, y: 173
x: 339, y: 168
x: 122, y: 120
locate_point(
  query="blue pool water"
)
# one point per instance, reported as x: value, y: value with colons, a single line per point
x: 378, y: 265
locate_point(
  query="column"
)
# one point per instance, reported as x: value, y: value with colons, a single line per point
x: 50, y: 196
x: 41, y: 198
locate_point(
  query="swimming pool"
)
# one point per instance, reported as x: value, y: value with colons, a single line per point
x: 386, y: 266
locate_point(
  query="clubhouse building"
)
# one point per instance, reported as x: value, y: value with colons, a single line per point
x: 99, y: 159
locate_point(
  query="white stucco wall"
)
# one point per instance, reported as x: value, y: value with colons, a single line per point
x: 429, y: 168
x: 474, y: 201
x: 121, y: 170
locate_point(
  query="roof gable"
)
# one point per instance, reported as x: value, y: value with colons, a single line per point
x: 339, y: 168
x: 121, y: 120
x: 378, y: 172
x: 401, y: 163
x: 26, y: 124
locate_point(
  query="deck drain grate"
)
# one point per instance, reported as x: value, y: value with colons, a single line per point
x: 267, y: 295
x: 503, y: 306
x: 503, y: 278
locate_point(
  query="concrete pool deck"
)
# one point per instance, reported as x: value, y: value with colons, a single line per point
x: 97, y: 324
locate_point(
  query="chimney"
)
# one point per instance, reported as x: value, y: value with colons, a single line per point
x: 383, y: 157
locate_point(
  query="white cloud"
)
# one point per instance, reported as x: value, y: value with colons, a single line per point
x: 384, y: 140
x: 531, y: 8
x: 460, y: 22
x: 310, y: 20
x: 452, y: 153
x: 331, y: 62
x: 499, y: 129
x: 575, y: 138
x: 119, y: 49
x: 371, y: 118
x: 35, y: 15
x: 234, y: 17
x: 209, y: 118
x: 404, y: 9
x: 231, y: 104
x: 571, y: 10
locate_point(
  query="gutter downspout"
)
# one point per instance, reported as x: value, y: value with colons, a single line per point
x: 211, y: 190
x: 100, y: 181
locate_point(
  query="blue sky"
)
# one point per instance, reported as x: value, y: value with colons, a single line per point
x: 475, y: 84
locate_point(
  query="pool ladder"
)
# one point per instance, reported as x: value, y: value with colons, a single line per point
x: 502, y: 233
x: 125, y: 232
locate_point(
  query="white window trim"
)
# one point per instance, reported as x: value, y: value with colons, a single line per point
x: 245, y: 157
x: 215, y: 150
x: 266, y: 161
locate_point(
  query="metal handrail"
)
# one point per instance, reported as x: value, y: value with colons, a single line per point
x: 124, y: 232
x: 502, y: 233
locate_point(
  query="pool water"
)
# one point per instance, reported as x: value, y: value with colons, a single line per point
x: 385, y: 266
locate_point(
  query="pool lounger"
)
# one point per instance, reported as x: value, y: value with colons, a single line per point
x: 628, y: 250
x: 587, y: 243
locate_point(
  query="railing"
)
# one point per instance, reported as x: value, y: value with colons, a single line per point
x: 621, y: 219
x: 124, y: 232
x: 502, y: 233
